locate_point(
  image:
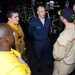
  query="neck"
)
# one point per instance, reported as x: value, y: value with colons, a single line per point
x: 11, y: 23
x: 4, y: 48
x: 68, y: 24
x: 41, y: 18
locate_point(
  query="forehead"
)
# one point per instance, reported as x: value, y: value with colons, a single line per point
x: 74, y: 5
x: 15, y: 14
x: 41, y: 8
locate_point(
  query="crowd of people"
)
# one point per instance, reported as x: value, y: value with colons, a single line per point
x: 12, y: 44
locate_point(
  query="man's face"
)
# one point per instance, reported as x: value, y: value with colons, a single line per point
x: 41, y: 12
x: 14, y: 19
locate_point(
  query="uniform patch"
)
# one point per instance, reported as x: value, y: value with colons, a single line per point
x: 21, y: 60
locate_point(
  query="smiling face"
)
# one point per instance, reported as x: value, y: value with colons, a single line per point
x: 41, y: 12
x: 14, y: 19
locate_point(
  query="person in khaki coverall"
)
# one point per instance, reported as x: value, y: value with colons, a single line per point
x: 64, y: 47
x: 11, y: 62
x: 13, y: 22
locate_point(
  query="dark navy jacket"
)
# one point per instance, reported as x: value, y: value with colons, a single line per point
x: 39, y: 31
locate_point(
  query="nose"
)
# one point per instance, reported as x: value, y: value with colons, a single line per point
x: 17, y: 18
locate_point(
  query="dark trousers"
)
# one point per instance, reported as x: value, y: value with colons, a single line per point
x: 42, y: 47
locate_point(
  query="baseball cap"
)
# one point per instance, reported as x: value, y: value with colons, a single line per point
x: 68, y: 14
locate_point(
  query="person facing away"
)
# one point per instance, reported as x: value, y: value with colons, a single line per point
x: 13, y: 22
x: 64, y: 47
x: 39, y: 29
x: 11, y: 62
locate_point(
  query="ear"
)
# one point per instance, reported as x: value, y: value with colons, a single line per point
x: 7, y: 38
x: 9, y: 19
x: 37, y: 12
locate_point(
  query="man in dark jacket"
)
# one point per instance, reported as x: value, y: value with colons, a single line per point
x: 39, y: 29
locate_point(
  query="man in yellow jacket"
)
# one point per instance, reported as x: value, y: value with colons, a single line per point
x: 13, y: 22
x: 11, y: 62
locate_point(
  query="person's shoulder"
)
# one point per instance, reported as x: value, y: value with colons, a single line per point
x: 48, y: 20
x: 16, y: 52
x: 33, y: 21
x: 20, y: 70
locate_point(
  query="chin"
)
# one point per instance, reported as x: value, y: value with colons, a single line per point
x: 43, y: 17
x: 17, y: 23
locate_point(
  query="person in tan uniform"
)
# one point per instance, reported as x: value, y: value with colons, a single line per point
x: 64, y: 47
x: 11, y: 62
x: 13, y: 22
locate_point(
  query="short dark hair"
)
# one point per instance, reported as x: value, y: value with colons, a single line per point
x: 40, y: 6
x: 10, y: 12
